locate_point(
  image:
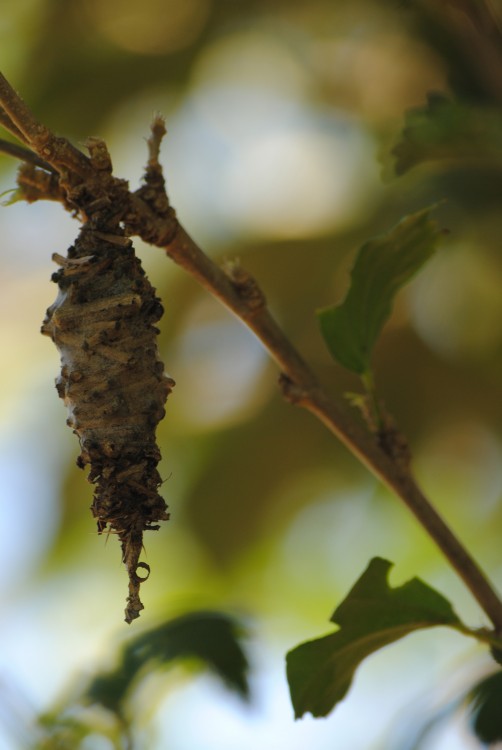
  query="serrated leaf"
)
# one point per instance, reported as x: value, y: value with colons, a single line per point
x: 486, y: 709
x: 372, y: 616
x: 448, y: 130
x: 383, y: 265
x: 211, y: 638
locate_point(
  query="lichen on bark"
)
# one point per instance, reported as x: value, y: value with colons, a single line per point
x: 113, y: 383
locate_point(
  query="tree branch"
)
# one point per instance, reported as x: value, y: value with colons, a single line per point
x: 147, y: 213
x: 301, y: 387
x: 24, y: 154
x: 8, y: 125
x: 57, y: 151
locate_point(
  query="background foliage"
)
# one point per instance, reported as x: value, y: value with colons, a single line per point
x: 286, y: 126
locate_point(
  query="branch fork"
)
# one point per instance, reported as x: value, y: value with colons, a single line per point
x: 56, y: 170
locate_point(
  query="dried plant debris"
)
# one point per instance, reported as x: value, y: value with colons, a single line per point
x: 103, y: 320
x: 113, y: 383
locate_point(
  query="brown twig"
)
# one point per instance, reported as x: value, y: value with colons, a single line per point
x: 147, y: 213
x: 8, y: 125
x: 56, y: 151
x: 301, y: 387
x: 24, y: 154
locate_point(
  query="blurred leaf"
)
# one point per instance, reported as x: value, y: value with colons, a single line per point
x: 383, y: 265
x: 61, y: 733
x: 15, y: 194
x: 417, y: 732
x: 486, y: 709
x: 483, y: 702
x: 445, y: 129
x: 211, y: 637
x: 110, y: 690
x: 466, y: 35
x: 373, y: 615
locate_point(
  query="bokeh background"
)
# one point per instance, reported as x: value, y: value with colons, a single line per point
x: 282, y: 119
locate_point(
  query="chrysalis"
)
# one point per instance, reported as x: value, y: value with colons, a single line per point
x: 113, y: 384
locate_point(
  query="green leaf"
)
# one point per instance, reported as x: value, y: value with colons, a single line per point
x: 383, y: 265
x: 449, y: 130
x: 15, y: 196
x: 486, y: 709
x: 372, y: 616
x: 61, y: 732
x: 211, y: 638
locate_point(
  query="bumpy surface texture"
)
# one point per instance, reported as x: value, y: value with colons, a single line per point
x: 114, y: 386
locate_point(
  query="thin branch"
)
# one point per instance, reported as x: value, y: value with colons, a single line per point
x: 8, y: 125
x: 56, y: 151
x: 236, y: 293
x: 147, y: 213
x: 240, y: 292
x: 19, y: 152
x: 302, y: 388
x: 21, y: 115
x: 403, y: 484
